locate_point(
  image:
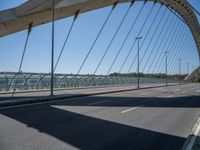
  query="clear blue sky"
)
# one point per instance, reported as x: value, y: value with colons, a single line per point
x: 37, y: 58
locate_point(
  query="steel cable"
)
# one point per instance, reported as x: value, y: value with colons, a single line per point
x: 97, y: 37
x: 129, y: 32
x: 152, y: 50
x: 154, y: 58
x: 67, y: 37
x: 129, y: 52
x: 110, y: 43
x: 25, y: 46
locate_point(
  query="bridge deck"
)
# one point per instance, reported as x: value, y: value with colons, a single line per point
x: 145, y: 119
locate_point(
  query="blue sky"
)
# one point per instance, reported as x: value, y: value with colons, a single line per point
x: 37, y: 58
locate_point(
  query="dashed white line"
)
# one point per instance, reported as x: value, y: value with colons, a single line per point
x: 169, y: 96
x: 143, y: 94
x: 99, y: 102
x: 177, y: 90
x: 127, y: 110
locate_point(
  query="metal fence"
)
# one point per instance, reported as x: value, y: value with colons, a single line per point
x: 10, y: 81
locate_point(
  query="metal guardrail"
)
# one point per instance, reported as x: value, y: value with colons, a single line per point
x: 12, y: 81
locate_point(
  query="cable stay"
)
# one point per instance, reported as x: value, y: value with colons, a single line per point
x: 67, y: 37
x: 178, y: 36
x: 178, y: 46
x: 97, y: 37
x: 126, y: 38
x: 159, y: 34
x: 25, y: 46
x: 162, y: 50
x: 159, y: 46
x: 139, y: 35
x: 166, y: 42
x: 181, y: 51
x: 173, y: 48
x: 135, y: 39
x: 151, y: 39
x: 147, y: 36
x: 184, y: 53
x: 110, y: 43
x: 116, y: 32
x: 176, y: 58
x: 165, y: 33
x: 172, y: 45
x: 149, y: 32
x: 23, y: 54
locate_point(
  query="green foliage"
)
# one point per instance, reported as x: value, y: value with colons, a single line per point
x: 160, y: 75
x: 197, y: 79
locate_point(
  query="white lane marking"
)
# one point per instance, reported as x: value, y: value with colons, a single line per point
x: 99, y: 102
x: 198, y: 91
x: 177, y: 90
x: 194, y: 134
x: 143, y: 94
x: 169, y: 96
x: 127, y: 110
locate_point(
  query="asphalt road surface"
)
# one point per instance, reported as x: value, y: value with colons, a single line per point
x: 148, y: 119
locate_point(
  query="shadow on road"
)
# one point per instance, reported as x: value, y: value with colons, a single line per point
x: 85, y: 132
x: 91, y: 133
x: 177, y: 102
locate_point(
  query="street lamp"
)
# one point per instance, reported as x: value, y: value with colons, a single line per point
x: 166, y: 54
x: 52, y: 47
x: 192, y: 68
x: 188, y: 68
x: 138, y: 65
x: 179, y: 60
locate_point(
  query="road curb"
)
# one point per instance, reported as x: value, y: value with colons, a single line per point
x: 30, y: 100
x: 190, y: 142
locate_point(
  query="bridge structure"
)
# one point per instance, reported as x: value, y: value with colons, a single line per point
x: 163, y: 45
x: 99, y: 74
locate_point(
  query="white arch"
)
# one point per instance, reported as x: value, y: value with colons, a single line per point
x: 39, y: 12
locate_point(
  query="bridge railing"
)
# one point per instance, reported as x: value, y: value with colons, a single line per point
x: 33, y: 81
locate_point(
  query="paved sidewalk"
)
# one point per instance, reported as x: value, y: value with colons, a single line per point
x: 39, y: 96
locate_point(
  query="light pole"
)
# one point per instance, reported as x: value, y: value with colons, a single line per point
x: 187, y: 68
x: 166, y: 55
x: 138, y: 65
x: 192, y: 68
x: 52, y: 48
x: 179, y: 60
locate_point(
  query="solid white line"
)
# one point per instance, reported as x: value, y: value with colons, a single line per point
x: 127, y: 110
x: 98, y: 102
x: 195, y: 134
